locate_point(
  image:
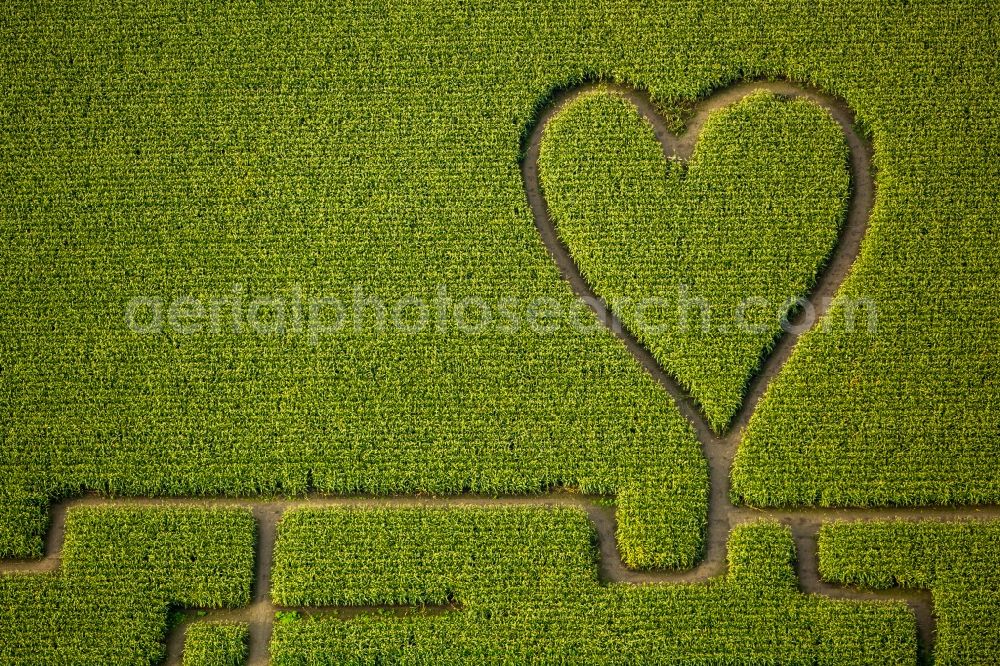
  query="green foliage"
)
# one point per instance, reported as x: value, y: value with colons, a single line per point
x: 121, y: 570
x: 959, y: 562
x: 23, y: 519
x: 216, y: 644
x: 165, y: 149
x: 906, y: 412
x: 169, y: 154
x: 192, y: 557
x: 528, y: 591
x: 701, y: 261
x: 661, y: 522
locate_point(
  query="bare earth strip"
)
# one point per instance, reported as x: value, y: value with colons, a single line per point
x: 719, y: 450
x: 804, y: 524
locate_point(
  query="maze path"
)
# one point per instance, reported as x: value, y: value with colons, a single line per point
x: 804, y: 524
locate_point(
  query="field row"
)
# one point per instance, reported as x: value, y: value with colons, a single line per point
x: 527, y: 584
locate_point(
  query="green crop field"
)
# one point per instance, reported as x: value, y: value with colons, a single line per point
x: 499, y: 332
x: 958, y: 562
x: 122, y: 569
x: 539, y: 600
x: 215, y: 644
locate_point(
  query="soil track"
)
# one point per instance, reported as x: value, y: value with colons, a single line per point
x: 719, y: 450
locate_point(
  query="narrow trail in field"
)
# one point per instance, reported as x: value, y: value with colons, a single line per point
x: 719, y: 450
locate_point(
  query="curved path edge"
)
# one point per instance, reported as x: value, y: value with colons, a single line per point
x: 829, y: 280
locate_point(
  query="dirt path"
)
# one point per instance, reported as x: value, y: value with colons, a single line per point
x: 719, y: 450
x: 804, y: 524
